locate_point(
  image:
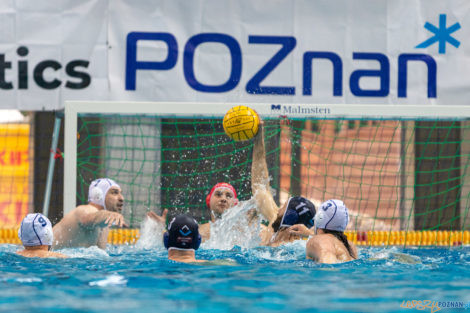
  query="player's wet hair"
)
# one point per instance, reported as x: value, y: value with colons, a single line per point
x: 343, y: 238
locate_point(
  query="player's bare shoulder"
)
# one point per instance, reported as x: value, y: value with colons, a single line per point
x: 323, y: 242
x: 84, y: 209
x: 313, y: 248
x: 331, y: 221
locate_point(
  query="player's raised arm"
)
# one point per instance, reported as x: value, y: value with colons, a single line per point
x: 260, y: 186
x: 157, y: 218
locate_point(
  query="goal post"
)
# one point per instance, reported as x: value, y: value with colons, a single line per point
x: 158, y: 110
x: 397, y: 167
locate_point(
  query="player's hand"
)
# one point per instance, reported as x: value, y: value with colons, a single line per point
x: 157, y: 218
x: 115, y: 219
x: 283, y: 235
x: 301, y: 230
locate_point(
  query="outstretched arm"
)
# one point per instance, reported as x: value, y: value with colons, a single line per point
x: 157, y: 218
x: 89, y: 217
x: 260, y: 187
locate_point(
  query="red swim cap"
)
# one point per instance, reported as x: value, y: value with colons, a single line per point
x: 217, y: 186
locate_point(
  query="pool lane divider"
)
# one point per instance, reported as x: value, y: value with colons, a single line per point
x: 409, y: 238
x: 130, y: 236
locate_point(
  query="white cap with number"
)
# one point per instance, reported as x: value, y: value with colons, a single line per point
x: 36, y: 230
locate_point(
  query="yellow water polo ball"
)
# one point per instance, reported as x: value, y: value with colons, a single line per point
x: 241, y: 123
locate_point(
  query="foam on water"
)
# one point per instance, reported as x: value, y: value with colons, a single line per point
x: 92, y: 252
x: 111, y: 280
x: 289, y: 252
x: 393, y: 254
x: 28, y: 280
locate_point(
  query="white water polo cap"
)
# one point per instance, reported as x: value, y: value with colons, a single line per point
x: 332, y: 215
x: 36, y: 230
x: 98, y: 190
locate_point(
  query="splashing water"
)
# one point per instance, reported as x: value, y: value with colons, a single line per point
x: 85, y: 252
x: 236, y: 227
x: 151, y: 234
x: 394, y: 255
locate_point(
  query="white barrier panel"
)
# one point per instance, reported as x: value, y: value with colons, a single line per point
x: 337, y: 51
x: 51, y: 51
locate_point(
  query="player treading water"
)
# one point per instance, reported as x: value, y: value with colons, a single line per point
x: 36, y: 235
x: 182, y: 239
x: 88, y: 225
x: 330, y: 245
x: 221, y: 197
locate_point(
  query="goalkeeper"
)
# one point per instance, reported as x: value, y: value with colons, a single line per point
x: 223, y: 195
x: 284, y: 224
x: 296, y: 212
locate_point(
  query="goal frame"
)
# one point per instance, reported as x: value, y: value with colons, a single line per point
x: 211, y: 109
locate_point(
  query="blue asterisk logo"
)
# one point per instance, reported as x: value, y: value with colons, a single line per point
x: 441, y: 34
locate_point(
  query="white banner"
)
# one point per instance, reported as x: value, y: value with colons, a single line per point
x: 51, y: 51
x: 311, y: 51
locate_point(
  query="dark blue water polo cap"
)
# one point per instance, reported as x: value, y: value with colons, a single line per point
x: 183, y: 233
x: 299, y: 211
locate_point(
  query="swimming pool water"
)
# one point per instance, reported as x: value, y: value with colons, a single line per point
x: 262, y: 279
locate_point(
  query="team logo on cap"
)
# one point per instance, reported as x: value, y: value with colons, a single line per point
x: 185, y: 231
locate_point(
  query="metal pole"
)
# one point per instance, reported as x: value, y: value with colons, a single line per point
x: 50, y: 170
